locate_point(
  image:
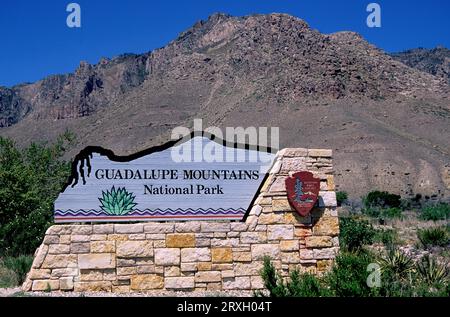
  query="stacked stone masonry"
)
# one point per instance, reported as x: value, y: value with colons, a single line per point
x: 200, y: 255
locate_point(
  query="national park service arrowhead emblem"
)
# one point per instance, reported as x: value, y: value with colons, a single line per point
x: 302, y: 190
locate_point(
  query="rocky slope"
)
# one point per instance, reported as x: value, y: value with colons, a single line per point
x: 387, y: 123
x: 434, y: 61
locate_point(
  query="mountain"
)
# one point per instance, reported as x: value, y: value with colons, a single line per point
x: 435, y: 61
x: 386, y: 122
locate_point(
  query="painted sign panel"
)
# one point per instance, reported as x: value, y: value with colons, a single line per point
x: 302, y: 190
x: 199, y: 179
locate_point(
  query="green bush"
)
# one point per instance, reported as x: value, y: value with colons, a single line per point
x: 7, y: 277
x: 20, y: 265
x: 431, y: 272
x: 348, y: 276
x: 382, y: 199
x: 298, y: 284
x: 436, y: 212
x: 355, y: 233
x: 341, y: 197
x: 388, y: 237
x: 30, y: 180
x: 393, y: 212
x: 436, y: 236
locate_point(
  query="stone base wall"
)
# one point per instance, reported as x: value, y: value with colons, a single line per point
x: 200, y: 255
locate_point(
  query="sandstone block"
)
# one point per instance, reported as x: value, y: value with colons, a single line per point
x: 103, y: 246
x: 167, y: 256
x: 281, y: 204
x: 39, y: 274
x: 178, y: 283
x: 159, y: 228
x: 318, y: 242
x: 129, y: 228
x: 221, y: 255
x: 195, y: 255
x: 208, y: 276
x: 99, y: 286
x: 253, y: 237
x: 242, y: 256
x: 271, y: 218
x: 73, y: 271
x: 82, y: 229
x: 326, y: 226
x: 79, y: 247
x: 215, y: 227
x: 280, y: 232
x: 327, y: 199
x: 190, y: 226
x: 238, y: 226
x: 44, y: 285
x: 59, y: 261
x: 133, y: 249
x: 66, y: 284
x: 259, y: 251
x: 96, y: 261
x: 58, y: 249
x: 248, y: 269
x: 240, y: 282
x: 143, y: 282
x: 289, y: 245
x: 180, y: 240
x: 320, y: 153
x: 326, y: 253
x: 103, y: 229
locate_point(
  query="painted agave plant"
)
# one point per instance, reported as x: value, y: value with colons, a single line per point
x: 117, y: 202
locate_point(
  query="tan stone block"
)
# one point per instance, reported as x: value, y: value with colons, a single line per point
x: 242, y: 256
x: 64, y: 239
x: 146, y: 282
x: 238, y: 226
x: 59, y: 229
x: 166, y: 257
x: 188, y: 267
x: 179, y: 283
x: 306, y: 254
x: 172, y: 271
x: 51, y: 239
x: 79, y: 247
x: 142, y: 269
x: 159, y: 243
x: 326, y: 226
x: 330, y: 182
x: 289, y: 245
x: 58, y: 249
x: 240, y: 283
x: 44, y: 285
x: 195, y: 255
x: 82, y: 230
x: 222, y: 266
x: 246, y: 269
x: 80, y: 238
x: 133, y: 249
x: 325, y: 253
x: 280, y: 232
x: 295, y: 219
x: 320, y: 152
x: 189, y: 226
x: 91, y: 275
x: 159, y: 228
x: 271, y: 218
x: 117, y: 237
x: 127, y: 270
x: 99, y: 237
x: 98, y: 286
x: 39, y: 274
x: 103, y: 229
x: 257, y: 282
x: 65, y: 272
x: 302, y: 232
x: 66, y: 283
x: 318, y: 242
x: 281, y: 204
x: 103, y: 246
x: 137, y: 236
x: 129, y: 228
x: 253, y: 237
x: 180, y: 240
x: 40, y: 255
x: 59, y: 261
x: 208, y: 276
x: 265, y: 201
x: 222, y: 255
x: 96, y: 261
x: 215, y: 227
x: 121, y: 289
x: 109, y: 275
x: 290, y: 257
x: 214, y: 286
x: 204, y: 266
x: 324, y: 265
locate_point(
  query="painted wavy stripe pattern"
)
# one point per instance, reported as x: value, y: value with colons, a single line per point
x: 154, y: 212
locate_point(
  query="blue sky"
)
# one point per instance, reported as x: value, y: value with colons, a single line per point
x: 35, y: 41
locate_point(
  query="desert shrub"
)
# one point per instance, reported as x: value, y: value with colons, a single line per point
x: 382, y: 199
x: 30, y: 180
x: 435, y: 212
x: 298, y: 284
x: 431, y: 272
x: 392, y: 212
x: 341, y: 197
x: 436, y: 236
x: 387, y: 237
x: 354, y: 233
x: 7, y: 277
x: 20, y: 265
x: 348, y: 277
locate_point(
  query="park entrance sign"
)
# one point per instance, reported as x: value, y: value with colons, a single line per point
x: 198, y: 179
